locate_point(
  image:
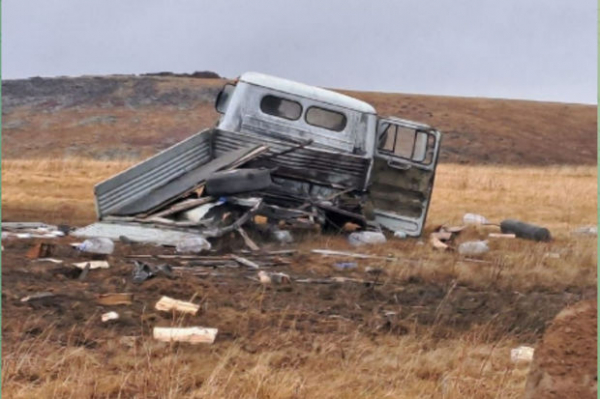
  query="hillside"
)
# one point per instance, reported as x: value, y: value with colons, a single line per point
x: 127, y: 117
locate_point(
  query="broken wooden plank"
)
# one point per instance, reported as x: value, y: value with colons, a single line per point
x: 94, y: 264
x: 167, y: 304
x: 183, y: 206
x: 437, y: 243
x: 194, y: 335
x: 501, y: 235
x: 245, y: 262
x: 247, y: 240
x: 39, y: 295
x: 326, y: 252
x: 115, y: 299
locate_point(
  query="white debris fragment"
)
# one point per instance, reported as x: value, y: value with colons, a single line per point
x: 475, y: 219
x: 473, y: 248
x: 366, y: 237
x: 109, y: 316
x: 400, y: 234
x: 49, y: 260
x: 167, y: 304
x: 193, y: 245
x: 522, y: 354
x: 586, y: 230
x: 97, y: 245
x: 194, y: 335
x: 94, y: 264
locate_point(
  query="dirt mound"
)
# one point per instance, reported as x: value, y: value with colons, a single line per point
x: 114, y: 117
x: 565, y: 362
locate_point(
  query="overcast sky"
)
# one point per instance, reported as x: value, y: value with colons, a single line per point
x: 531, y: 49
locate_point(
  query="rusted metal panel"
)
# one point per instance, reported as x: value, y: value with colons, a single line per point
x: 139, y: 180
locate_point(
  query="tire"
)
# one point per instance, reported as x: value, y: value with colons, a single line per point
x: 238, y: 181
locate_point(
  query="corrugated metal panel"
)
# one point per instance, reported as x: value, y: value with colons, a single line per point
x: 143, y: 234
x: 336, y: 166
x: 139, y: 180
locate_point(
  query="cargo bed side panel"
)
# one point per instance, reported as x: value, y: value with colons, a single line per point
x: 139, y: 180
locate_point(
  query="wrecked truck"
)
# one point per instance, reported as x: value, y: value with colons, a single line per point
x: 331, y: 160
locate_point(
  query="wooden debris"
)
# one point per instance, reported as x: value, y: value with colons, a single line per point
x: 40, y: 295
x: 437, y: 243
x: 94, y: 264
x: 501, y: 235
x: 58, y: 261
x: 40, y: 250
x: 249, y: 243
x: 326, y: 252
x: 167, y: 304
x: 109, y: 316
x: 245, y: 262
x: 115, y: 299
x: 194, y: 335
x: 264, y: 278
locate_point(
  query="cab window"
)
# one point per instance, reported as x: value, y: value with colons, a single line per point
x: 281, y: 107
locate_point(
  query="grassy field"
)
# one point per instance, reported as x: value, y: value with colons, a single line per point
x: 270, y: 354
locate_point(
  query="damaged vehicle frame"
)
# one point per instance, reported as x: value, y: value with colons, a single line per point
x: 329, y: 155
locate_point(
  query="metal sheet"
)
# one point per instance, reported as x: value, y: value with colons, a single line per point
x: 327, y: 167
x: 139, y: 180
x: 182, y: 184
x: 149, y: 235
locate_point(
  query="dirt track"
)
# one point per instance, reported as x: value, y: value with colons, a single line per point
x: 239, y: 306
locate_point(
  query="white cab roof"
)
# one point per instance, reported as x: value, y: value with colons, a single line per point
x: 302, y: 90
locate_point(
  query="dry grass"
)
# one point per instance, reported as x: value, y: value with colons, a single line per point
x: 347, y: 363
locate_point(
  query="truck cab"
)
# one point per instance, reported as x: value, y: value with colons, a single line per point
x: 391, y: 161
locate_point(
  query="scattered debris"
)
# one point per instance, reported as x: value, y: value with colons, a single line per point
x: 360, y: 238
x: 245, y: 262
x: 586, y: 230
x: 40, y: 250
x: 436, y: 242
x: 374, y: 270
x: 109, y: 316
x: 326, y: 252
x: 521, y: 354
x: 58, y: 261
x: 471, y: 248
x: 94, y: 264
x: 97, y: 245
x: 84, y: 272
x: 193, y: 245
x: 474, y: 219
x: 552, y: 255
x: 247, y: 240
x: 525, y: 230
x: 194, y: 335
x: 400, y: 234
x: 282, y: 236
x: 264, y: 278
x: 115, y: 299
x: 141, y: 272
x: 167, y: 304
x: 343, y: 266
x: 30, y: 230
x: 40, y: 295
x: 501, y: 235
